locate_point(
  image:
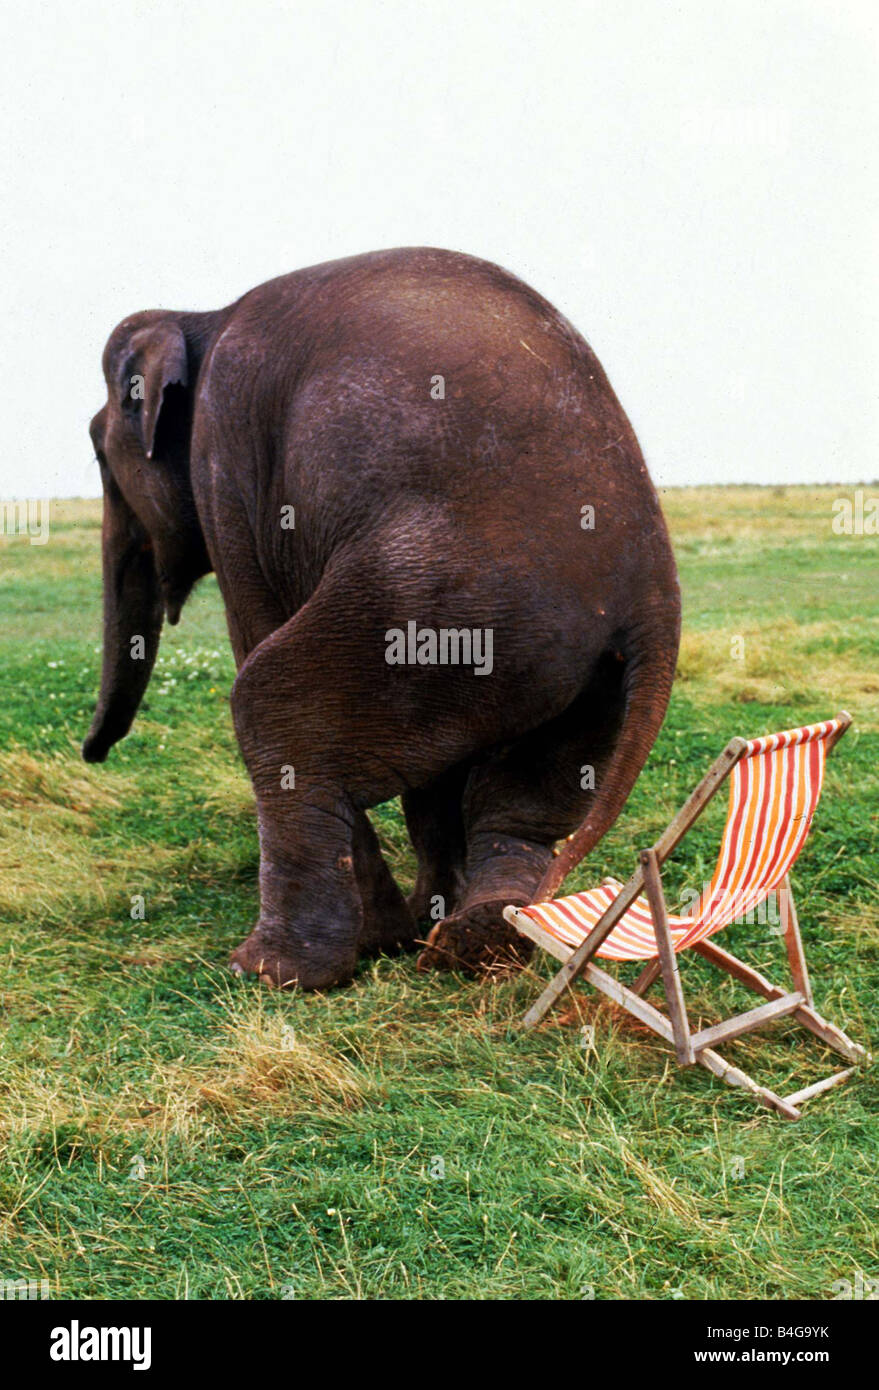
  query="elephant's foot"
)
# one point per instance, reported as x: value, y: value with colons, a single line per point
x: 283, y: 963
x: 476, y: 939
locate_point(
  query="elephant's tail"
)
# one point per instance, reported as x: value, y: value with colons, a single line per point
x: 647, y: 682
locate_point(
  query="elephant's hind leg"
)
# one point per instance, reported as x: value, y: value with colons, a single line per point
x: 517, y: 803
x: 502, y: 869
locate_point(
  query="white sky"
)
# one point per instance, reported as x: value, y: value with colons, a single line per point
x: 694, y: 184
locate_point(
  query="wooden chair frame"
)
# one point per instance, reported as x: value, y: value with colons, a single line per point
x: 674, y: 1027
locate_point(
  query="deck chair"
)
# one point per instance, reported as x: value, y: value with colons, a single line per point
x: 774, y: 786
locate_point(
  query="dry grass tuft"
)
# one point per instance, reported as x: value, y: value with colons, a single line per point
x: 264, y: 1064
x: 63, y: 782
x: 778, y: 665
x: 49, y: 856
x: 31, y: 1104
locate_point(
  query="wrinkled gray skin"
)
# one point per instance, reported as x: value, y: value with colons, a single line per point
x: 314, y: 391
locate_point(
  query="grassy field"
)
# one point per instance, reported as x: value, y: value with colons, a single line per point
x: 167, y: 1131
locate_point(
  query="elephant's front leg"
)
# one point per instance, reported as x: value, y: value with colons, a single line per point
x: 293, y: 726
x: 436, y: 829
x: 310, y: 910
x: 388, y: 924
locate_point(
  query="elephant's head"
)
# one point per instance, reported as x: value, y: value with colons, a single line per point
x: 153, y: 547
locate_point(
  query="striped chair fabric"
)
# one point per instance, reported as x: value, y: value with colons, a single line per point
x: 773, y: 793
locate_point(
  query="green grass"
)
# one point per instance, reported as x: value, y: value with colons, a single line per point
x: 402, y: 1138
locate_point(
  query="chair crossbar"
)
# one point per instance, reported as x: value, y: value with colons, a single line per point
x: 746, y: 1023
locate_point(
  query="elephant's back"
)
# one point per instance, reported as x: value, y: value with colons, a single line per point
x: 414, y: 307
x: 428, y: 350
x: 422, y: 378
x: 446, y: 374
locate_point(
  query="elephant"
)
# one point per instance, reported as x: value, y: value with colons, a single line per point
x: 446, y: 575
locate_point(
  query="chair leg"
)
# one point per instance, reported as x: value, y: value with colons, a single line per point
x: 649, y: 975
x: 794, y: 942
x: 668, y: 961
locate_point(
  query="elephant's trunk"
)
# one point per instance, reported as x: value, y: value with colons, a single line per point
x: 132, y: 624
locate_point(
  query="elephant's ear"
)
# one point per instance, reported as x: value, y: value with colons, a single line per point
x: 155, y: 361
